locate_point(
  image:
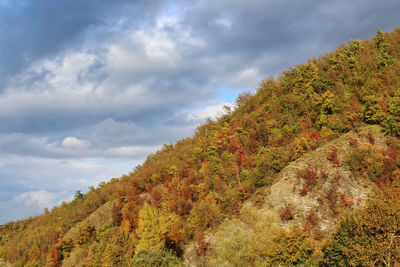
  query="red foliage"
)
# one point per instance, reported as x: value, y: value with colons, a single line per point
x: 132, y: 193
x: 390, y: 160
x: 353, y: 142
x: 187, y: 191
x: 287, y: 213
x: 200, y: 245
x: 307, y: 228
x: 244, y: 160
x: 149, y: 187
x: 332, y: 197
x: 384, y: 105
x: 318, y: 234
x: 116, y: 213
x: 315, y: 136
x: 304, y: 191
x: 174, y: 241
x: 312, y: 217
x: 156, y: 197
x: 54, y: 258
x: 346, y: 202
x: 310, y: 178
x: 371, y: 138
x: 332, y: 156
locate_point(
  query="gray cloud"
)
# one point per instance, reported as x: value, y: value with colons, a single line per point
x: 89, y: 88
x: 32, y: 30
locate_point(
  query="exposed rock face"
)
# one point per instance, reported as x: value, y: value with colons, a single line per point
x: 319, y: 188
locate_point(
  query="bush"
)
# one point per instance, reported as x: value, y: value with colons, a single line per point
x: 366, y: 160
x: 156, y: 258
x: 292, y: 248
x: 269, y: 162
x: 246, y: 240
x: 287, y: 213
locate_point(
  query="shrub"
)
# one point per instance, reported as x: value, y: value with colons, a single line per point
x: 245, y: 241
x: 366, y: 160
x: 392, y: 121
x: 156, y: 258
x: 85, y: 233
x: 309, y: 175
x: 292, y: 248
x: 312, y: 218
x: 332, y: 156
x: 287, y: 213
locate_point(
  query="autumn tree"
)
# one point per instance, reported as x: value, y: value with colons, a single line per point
x: 154, y: 227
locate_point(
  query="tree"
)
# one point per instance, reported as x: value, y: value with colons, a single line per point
x: 78, y: 195
x: 154, y: 227
x: 384, y: 59
x: 372, y: 237
x: 292, y: 248
x: 392, y: 119
x: 85, y: 233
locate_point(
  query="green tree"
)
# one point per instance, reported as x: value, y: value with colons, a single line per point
x: 384, y: 59
x: 392, y: 118
x: 373, y: 112
x: 78, y: 195
x: 335, y: 250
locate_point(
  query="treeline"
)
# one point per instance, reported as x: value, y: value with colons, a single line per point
x: 181, y: 192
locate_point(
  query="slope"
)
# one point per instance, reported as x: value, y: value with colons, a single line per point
x: 187, y: 189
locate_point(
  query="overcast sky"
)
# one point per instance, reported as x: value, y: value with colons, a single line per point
x: 89, y: 88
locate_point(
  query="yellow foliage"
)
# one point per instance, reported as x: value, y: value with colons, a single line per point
x: 300, y: 146
x: 154, y: 227
x: 245, y: 241
x: 292, y: 248
x: 327, y: 134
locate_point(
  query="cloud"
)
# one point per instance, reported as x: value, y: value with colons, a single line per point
x: 35, y: 30
x: 89, y: 88
x: 39, y: 199
x: 31, y: 203
x: 210, y: 112
x: 74, y: 143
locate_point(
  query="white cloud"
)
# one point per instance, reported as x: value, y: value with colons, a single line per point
x: 41, y: 199
x: 75, y: 143
x: 31, y: 203
x: 225, y: 22
x: 132, y: 151
x: 247, y: 78
x: 211, y: 112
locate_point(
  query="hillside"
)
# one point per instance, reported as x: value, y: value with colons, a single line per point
x: 305, y: 171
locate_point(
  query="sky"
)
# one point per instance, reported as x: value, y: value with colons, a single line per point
x: 89, y: 88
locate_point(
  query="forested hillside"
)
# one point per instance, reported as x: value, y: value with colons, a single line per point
x: 204, y: 199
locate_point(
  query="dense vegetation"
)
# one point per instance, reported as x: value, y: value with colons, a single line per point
x: 184, y: 191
